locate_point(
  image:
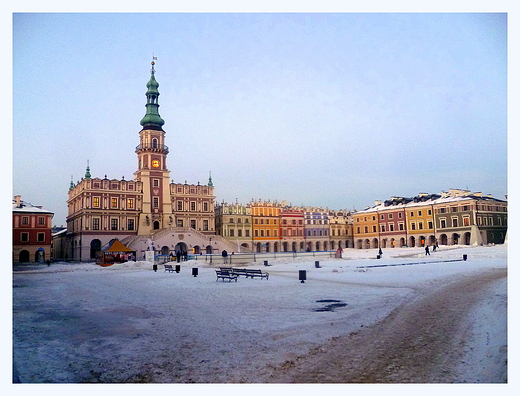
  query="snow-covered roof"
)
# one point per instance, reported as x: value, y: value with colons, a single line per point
x: 22, y: 206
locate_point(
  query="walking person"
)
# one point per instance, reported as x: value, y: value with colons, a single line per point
x: 224, y: 256
x: 427, y: 249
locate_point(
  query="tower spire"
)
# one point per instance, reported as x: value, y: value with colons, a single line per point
x: 210, y: 182
x: 87, y: 173
x: 152, y: 119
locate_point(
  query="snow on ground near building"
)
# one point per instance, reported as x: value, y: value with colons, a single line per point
x: 86, y: 323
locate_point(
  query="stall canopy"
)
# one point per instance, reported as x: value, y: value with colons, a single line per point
x: 116, y: 252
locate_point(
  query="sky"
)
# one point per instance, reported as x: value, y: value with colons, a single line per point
x: 334, y: 110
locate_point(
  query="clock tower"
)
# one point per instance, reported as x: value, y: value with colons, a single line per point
x: 156, y: 211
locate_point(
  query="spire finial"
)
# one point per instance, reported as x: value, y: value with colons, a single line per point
x: 154, y: 58
x: 210, y: 182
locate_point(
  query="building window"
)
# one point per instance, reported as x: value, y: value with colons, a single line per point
x: 455, y: 222
x: 443, y: 223
x: 114, y: 203
x: 206, y: 207
x: 156, y: 182
x: 411, y: 214
x: 113, y: 224
x: 130, y: 224
x: 420, y: 224
x: 391, y: 227
x: 193, y: 224
x: 180, y: 223
x: 192, y: 206
x: 25, y: 220
x: 41, y: 237
x: 401, y: 226
x: 430, y: 225
x: 155, y: 202
x: 231, y: 232
x: 239, y: 233
x: 41, y: 220
x: 95, y: 202
x: 247, y: 233
x: 130, y: 203
x: 24, y: 237
x: 390, y: 215
x: 465, y: 221
x: 95, y: 223
x: 374, y: 228
x: 413, y: 226
x: 179, y: 205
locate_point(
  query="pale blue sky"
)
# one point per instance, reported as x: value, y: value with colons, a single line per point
x: 331, y: 110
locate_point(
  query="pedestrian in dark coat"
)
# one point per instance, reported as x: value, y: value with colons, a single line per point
x: 427, y: 249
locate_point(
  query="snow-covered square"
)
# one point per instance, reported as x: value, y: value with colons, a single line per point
x: 83, y: 323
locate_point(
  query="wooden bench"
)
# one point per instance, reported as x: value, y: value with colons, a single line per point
x: 240, y: 271
x: 169, y: 268
x: 226, y: 275
x: 256, y: 273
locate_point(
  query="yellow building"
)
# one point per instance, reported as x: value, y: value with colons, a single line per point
x: 420, y: 224
x: 366, y: 227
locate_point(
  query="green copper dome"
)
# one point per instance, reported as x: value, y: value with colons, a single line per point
x: 152, y: 119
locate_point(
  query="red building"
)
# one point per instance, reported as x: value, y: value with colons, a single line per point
x: 31, y: 232
x: 292, y: 229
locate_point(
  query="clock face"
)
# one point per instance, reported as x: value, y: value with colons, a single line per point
x: 155, y: 163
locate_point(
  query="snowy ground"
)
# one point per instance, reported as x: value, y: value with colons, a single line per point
x: 82, y: 323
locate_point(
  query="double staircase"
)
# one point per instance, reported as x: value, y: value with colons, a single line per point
x: 173, y: 235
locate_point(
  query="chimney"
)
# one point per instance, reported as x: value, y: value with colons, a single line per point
x: 18, y: 200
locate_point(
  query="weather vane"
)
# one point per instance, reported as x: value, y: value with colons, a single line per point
x: 154, y: 58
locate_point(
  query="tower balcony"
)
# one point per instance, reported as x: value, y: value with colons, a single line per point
x: 158, y: 148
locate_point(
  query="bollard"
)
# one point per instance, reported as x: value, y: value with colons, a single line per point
x: 303, y: 276
x: 317, y: 264
x: 177, y: 268
x: 378, y: 256
x: 195, y: 272
x: 464, y: 257
x: 154, y: 267
x: 266, y: 263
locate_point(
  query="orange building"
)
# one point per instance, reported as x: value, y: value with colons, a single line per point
x: 266, y: 226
